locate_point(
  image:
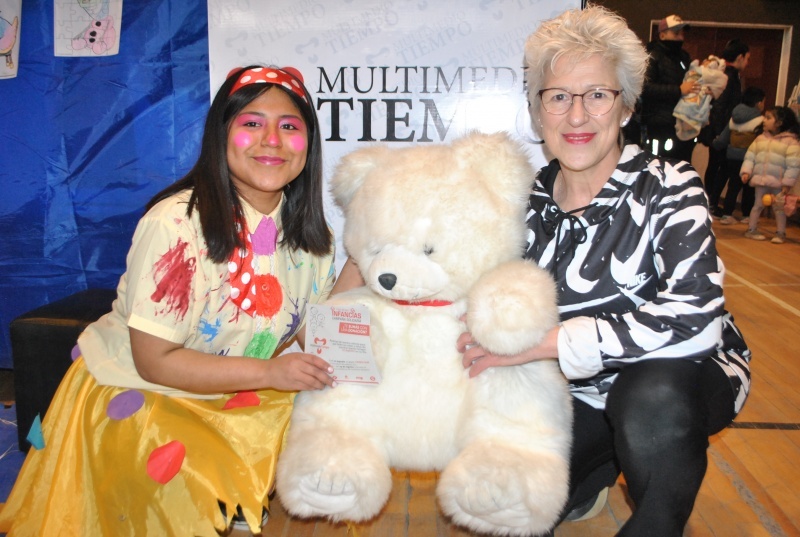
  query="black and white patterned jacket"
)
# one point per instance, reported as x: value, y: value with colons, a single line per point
x: 638, y: 275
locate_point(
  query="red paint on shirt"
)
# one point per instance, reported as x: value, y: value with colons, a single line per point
x: 269, y: 295
x: 173, y: 275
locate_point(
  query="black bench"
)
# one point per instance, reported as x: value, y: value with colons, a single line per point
x: 41, y: 346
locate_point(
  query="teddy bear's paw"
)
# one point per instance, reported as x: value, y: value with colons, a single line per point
x: 332, y: 473
x: 511, y: 308
x: 504, y: 490
x: 488, y: 502
x: 328, y: 493
x: 338, y: 496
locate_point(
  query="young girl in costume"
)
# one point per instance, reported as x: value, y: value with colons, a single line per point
x: 771, y: 165
x: 175, y: 408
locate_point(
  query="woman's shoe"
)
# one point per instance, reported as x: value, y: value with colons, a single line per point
x: 590, y: 508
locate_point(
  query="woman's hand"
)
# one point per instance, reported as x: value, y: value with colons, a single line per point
x: 745, y: 178
x: 477, y: 359
x: 690, y: 86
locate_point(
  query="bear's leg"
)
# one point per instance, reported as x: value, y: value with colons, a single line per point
x: 495, y: 487
x: 332, y: 473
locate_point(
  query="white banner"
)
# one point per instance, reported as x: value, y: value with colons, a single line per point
x: 397, y: 71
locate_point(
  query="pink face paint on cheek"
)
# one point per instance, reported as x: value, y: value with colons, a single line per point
x: 242, y: 139
x: 297, y: 143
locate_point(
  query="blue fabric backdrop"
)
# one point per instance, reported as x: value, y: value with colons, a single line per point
x: 84, y: 144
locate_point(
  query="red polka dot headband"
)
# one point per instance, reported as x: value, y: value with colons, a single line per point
x: 288, y: 77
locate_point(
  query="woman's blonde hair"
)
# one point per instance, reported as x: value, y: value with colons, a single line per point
x: 578, y: 34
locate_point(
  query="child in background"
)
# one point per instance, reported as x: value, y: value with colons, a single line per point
x: 739, y: 133
x: 771, y: 165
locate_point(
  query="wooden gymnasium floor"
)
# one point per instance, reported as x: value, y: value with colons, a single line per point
x: 752, y: 487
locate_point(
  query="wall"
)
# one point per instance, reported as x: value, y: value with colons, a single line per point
x: 785, y: 12
x: 85, y: 142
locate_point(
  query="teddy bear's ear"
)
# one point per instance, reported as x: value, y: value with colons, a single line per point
x: 352, y: 170
x: 502, y: 163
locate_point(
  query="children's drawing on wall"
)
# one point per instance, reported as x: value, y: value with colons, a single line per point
x: 87, y: 27
x: 10, y: 15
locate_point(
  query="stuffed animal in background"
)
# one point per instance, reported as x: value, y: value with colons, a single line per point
x: 693, y: 110
x: 438, y: 231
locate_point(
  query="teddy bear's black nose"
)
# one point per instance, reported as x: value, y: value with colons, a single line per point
x: 387, y: 281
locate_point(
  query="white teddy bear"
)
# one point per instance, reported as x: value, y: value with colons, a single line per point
x: 438, y: 231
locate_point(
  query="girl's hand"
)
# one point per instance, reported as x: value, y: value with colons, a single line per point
x: 170, y: 364
x: 299, y: 371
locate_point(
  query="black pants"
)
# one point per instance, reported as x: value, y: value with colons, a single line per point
x: 655, y: 428
x: 735, y: 186
x: 715, y: 179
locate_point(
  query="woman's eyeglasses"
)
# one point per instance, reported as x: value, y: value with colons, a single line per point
x: 596, y: 102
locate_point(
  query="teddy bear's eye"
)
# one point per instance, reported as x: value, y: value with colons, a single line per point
x: 428, y: 250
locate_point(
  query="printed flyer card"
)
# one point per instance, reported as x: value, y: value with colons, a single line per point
x: 340, y: 336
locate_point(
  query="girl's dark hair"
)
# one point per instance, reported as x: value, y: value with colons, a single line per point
x: 215, y: 197
x: 787, y: 119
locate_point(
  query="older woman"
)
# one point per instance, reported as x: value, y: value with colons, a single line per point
x: 655, y: 363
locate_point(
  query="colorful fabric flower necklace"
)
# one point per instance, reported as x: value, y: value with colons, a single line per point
x: 254, y: 289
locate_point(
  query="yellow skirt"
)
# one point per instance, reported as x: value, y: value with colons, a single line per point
x: 99, y: 476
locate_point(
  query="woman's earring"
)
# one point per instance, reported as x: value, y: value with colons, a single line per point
x: 625, y: 121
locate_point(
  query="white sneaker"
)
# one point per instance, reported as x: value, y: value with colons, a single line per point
x: 745, y: 220
x: 780, y: 238
x: 727, y: 220
x: 755, y: 235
